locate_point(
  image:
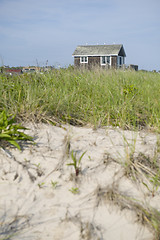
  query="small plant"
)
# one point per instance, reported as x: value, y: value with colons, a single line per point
x: 89, y: 157
x: 74, y: 190
x: 155, y: 180
x: 41, y: 185
x: 54, y: 184
x: 9, y: 131
x: 129, y: 163
x: 38, y: 165
x: 67, y: 145
x: 39, y: 170
x: 76, y: 162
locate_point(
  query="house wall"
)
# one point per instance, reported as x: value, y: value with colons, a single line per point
x: 114, y: 61
x: 94, y: 61
x: 77, y: 61
x: 12, y: 71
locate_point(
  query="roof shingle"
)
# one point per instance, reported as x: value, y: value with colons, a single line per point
x: 98, y: 50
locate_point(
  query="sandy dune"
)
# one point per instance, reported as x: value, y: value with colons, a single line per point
x: 41, y: 198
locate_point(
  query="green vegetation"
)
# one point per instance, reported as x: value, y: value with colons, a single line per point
x: 11, y: 132
x: 54, y: 184
x: 74, y: 190
x: 126, y: 99
x: 41, y: 185
x: 76, y: 162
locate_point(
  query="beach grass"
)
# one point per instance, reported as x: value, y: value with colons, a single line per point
x: 127, y: 99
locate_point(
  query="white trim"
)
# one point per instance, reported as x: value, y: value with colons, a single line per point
x: 85, y: 61
x: 106, y: 63
x: 100, y: 55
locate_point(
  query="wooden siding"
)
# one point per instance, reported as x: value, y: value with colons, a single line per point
x: 114, y: 61
x: 93, y: 62
x: 77, y: 61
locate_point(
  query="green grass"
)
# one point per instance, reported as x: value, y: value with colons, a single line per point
x: 10, y: 132
x: 126, y: 99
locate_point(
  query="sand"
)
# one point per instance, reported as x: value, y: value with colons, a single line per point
x: 41, y: 198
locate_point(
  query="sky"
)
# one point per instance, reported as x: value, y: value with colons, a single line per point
x: 33, y: 32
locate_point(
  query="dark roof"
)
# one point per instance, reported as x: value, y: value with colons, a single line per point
x: 99, y: 50
x: 13, y: 70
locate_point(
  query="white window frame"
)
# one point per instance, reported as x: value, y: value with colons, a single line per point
x: 85, y: 59
x: 106, y: 63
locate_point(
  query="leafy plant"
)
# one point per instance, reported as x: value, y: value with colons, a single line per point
x: 38, y: 165
x: 41, y: 185
x: 39, y: 169
x: 10, y: 132
x: 54, y: 184
x: 74, y: 190
x: 76, y: 162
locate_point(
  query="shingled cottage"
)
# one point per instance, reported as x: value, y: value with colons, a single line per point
x: 105, y: 56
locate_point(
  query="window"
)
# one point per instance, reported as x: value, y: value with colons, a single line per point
x: 84, y: 60
x: 105, y: 60
x: 120, y: 60
x: 108, y: 59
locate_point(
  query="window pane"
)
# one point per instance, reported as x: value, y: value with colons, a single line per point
x: 103, y: 60
x: 108, y: 59
x: 120, y: 61
x: 84, y: 59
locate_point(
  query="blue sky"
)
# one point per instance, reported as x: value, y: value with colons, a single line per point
x: 41, y: 30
